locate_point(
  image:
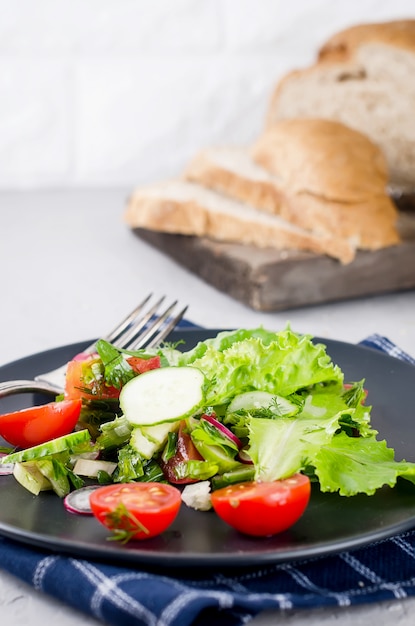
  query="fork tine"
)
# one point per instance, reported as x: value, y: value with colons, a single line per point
x: 136, y: 328
x: 157, y: 339
x: 126, y: 323
x: 157, y: 330
x: 139, y: 338
x: 148, y: 330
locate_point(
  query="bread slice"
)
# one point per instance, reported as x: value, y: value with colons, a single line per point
x: 335, y: 180
x: 368, y: 223
x: 178, y: 206
x: 233, y: 172
x: 323, y: 157
x: 365, y: 78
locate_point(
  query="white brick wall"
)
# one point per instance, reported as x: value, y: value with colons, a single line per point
x: 122, y: 92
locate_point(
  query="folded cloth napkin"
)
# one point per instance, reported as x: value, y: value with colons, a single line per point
x: 132, y: 596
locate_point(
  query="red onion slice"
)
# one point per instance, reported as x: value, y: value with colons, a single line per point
x: 222, y: 429
x: 78, y: 501
x: 7, y: 469
x: 84, y: 356
x: 243, y: 457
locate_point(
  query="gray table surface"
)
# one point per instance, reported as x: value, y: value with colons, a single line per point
x: 62, y: 252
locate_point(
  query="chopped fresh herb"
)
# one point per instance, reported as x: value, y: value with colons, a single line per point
x: 124, y: 524
x: 117, y: 370
x: 130, y: 465
x: 170, y: 447
x: 355, y: 394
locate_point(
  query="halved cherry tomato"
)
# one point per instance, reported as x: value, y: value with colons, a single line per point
x: 263, y: 508
x: 136, y: 510
x: 81, y: 383
x: 140, y: 365
x: 36, y: 425
x: 185, y: 451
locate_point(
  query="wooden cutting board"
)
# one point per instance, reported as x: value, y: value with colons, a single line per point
x: 272, y: 280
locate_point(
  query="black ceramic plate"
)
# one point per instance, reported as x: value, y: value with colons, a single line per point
x: 196, y: 539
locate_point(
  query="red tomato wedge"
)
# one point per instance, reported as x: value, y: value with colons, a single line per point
x: 185, y: 451
x: 263, y: 508
x: 80, y: 383
x: 140, y: 365
x: 136, y: 510
x: 36, y: 425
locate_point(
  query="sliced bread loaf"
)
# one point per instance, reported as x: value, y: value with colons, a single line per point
x: 364, y: 77
x: 357, y: 209
x: 187, y: 208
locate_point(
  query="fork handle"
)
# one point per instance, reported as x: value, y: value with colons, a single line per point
x: 11, y: 387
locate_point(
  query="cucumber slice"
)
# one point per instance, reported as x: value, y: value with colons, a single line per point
x: 147, y: 440
x: 159, y: 432
x: 114, y: 434
x: 263, y: 399
x: 60, y: 444
x: 145, y: 448
x: 55, y: 475
x: 31, y: 478
x: 167, y: 394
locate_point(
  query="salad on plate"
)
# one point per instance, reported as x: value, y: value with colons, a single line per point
x: 242, y: 423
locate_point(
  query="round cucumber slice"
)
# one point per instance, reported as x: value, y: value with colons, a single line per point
x: 166, y: 394
x: 251, y: 400
x: 263, y: 399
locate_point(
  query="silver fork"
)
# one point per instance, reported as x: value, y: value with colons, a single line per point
x: 144, y: 327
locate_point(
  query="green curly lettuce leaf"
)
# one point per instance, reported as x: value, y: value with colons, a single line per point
x: 280, y: 363
x: 352, y: 465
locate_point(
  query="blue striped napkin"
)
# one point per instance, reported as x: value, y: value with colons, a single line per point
x: 130, y: 596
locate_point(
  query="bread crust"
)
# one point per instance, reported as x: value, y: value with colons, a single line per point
x: 261, y: 194
x: 343, y: 45
x: 364, y: 77
x: 192, y: 217
x: 322, y: 157
x: 370, y: 224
